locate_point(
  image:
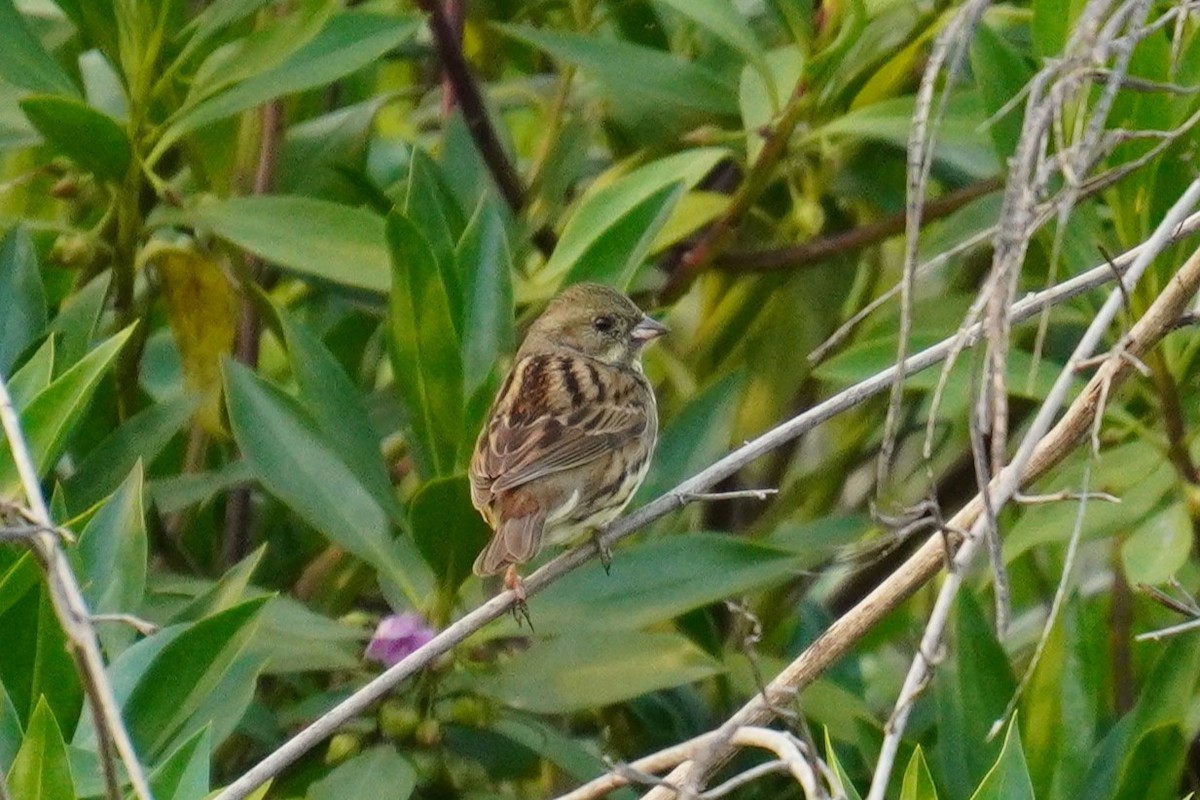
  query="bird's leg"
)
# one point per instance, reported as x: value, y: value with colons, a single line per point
x: 513, y: 582
x: 604, y: 550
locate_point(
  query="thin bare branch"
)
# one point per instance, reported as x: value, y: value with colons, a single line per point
x: 72, y: 612
x: 501, y: 604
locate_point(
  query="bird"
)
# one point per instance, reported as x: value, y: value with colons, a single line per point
x: 570, y: 434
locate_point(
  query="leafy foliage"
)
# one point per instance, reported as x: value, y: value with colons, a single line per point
x: 259, y: 282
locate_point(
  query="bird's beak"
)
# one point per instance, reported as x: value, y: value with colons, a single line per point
x: 648, y: 329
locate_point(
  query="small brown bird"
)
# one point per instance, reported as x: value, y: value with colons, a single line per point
x: 571, y: 431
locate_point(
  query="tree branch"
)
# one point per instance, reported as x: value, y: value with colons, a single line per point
x: 73, y: 615
x: 502, y: 603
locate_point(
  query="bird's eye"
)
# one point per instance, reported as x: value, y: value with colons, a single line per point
x: 603, y: 323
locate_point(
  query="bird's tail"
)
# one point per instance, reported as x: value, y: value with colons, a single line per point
x: 515, y: 542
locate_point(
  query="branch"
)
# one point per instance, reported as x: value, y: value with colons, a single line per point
x: 502, y: 603
x: 928, y: 561
x: 816, y: 251
x: 73, y: 615
x: 479, y: 124
x: 719, y: 235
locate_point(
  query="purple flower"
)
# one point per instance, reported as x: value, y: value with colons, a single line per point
x: 397, y: 636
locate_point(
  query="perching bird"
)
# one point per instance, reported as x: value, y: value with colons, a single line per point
x: 571, y: 431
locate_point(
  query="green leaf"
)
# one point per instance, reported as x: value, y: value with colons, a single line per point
x: 758, y: 93
x: 431, y: 208
x: 179, y: 492
x: 1000, y: 75
x: 183, y: 775
x: 379, y: 772
x: 1008, y: 778
x: 555, y: 746
x: 614, y: 225
x: 1159, y: 546
x: 721, y: 19
x: 485, y: 264
x: 316, y: 238
x: 658, y: 580
x: 340, y: 411
x: 424, y: 349
x: 841, y: 779
x: 33, y: 376
x: 111, y: 556
x: 22, y: 297
x: 292, y: 459
x: 90, y: 138
x: 183, y: 674
x: 51, y: 416
x: 140, y: 438
x: 34, y: 662
x: 970, y: 694
x: 227, y: 592
x: 626, y: 68
x: 291, y: 639
x: 694, y: 437
x: 23, y: 60
x: 350, y: 41
x: 589, y: 669
x: 41, y: 770
x: 917, y: 783
x: 262, y: 49
x: 448, y: 531
x: 10, y: 732
x: 959, y: 143
x: 78, y: 319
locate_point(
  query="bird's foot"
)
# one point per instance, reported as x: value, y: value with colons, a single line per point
x: 604, y: 550
x: 513, y: 582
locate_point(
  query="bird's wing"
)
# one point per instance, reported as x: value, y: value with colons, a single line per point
x: 557, y: 412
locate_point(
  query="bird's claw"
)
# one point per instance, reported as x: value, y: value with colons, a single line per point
x: 605, y: 552
x: 513, y: 582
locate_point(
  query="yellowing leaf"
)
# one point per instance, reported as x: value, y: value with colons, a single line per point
x: 202, y: 306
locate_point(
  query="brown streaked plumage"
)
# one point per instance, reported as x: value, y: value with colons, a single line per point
x: 572, y: 429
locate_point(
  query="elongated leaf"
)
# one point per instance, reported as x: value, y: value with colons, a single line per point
x: 323, y: 240
x: 23, y: 60
x: 447, y: 530
x: 917, y: 783
x: 340, y: 411
x: 721, y: 19
x: 227, y: 592
x: 33, y: 376
x: 202, y: 310
x: 22, y: 297
x: 10, y: 732
x: 379, y: 772
x: 112, y: 551
x: 41, y: 770
x: 424, y: 349
x: 485, y: 263
x: 261, y: 50
x: 141, y: 437
x: 184, y: 673
x: 90, y: 138
x: 183, y: 775
x: 1159, y: 547
x: 1000, y: 74
x: 584, y: 670
x: 51, y: 416
x: 629, y: 68
x: 959, y: 142
x: 78, y: 318
x: 1008, y: 778
x: 295, y: 463
x: 624, y: 245
x: 34, y: 662
x: 349, y: 42
x: 659, y: 580
x: 589, y: 233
